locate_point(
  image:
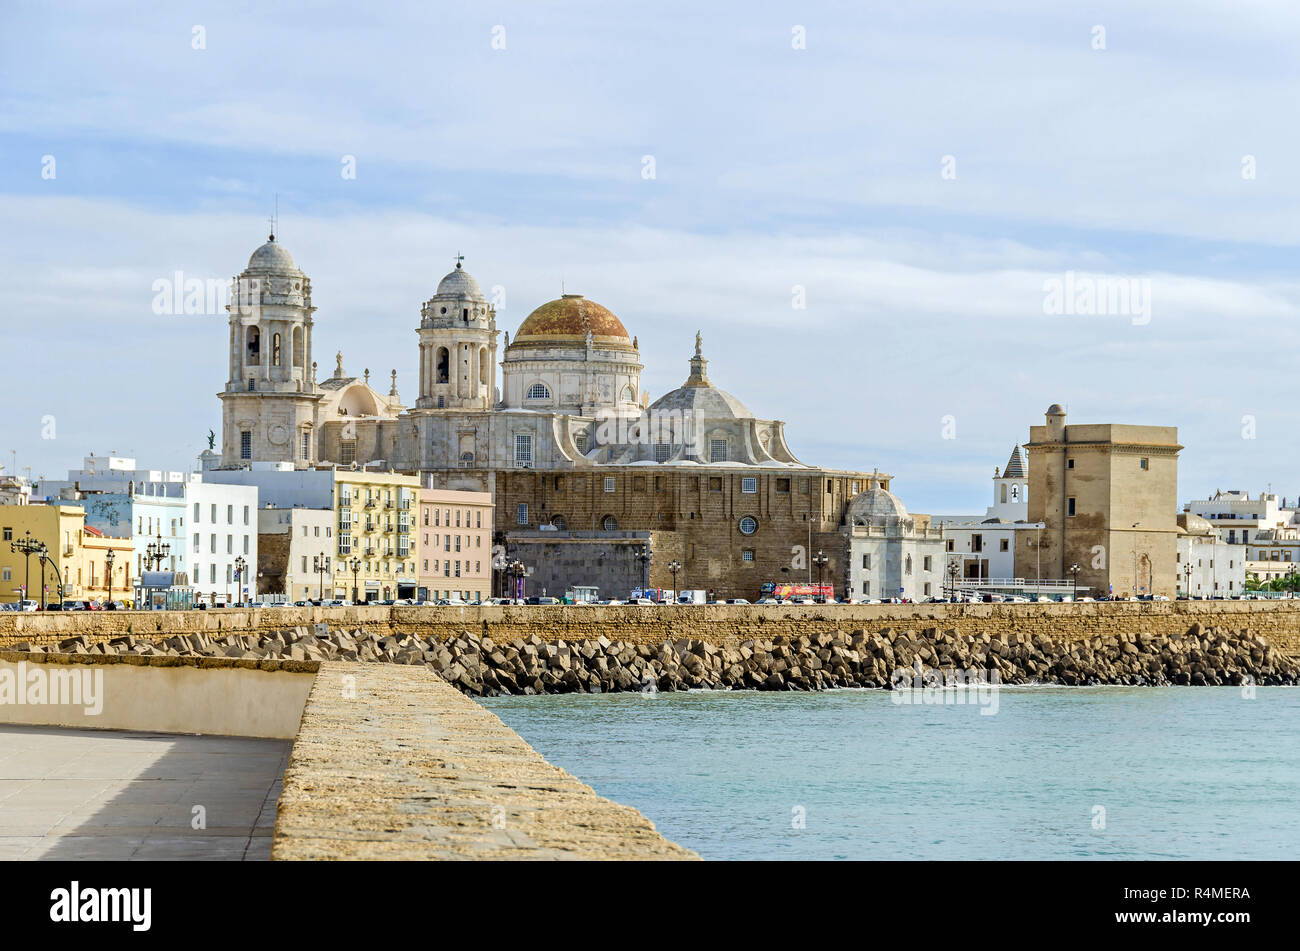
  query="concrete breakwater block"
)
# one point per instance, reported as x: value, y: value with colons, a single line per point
x: 480, y: 666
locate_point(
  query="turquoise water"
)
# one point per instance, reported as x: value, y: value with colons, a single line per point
x: 1182, y: 773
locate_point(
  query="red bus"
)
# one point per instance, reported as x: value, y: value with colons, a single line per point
x: 786, y: 592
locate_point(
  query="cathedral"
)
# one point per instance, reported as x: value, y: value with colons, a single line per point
x: 592, y: 481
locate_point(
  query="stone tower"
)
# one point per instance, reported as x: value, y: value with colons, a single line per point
x: 269, y: 403
x: 458, y: 346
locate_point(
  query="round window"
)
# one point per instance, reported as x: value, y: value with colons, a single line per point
x: 748, y: 526
x: 610, y: 524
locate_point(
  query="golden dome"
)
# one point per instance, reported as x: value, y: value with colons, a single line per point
x: 568, y: 320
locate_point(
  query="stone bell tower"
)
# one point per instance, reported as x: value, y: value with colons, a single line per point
x: 269, y: 403
x: 458, y: 346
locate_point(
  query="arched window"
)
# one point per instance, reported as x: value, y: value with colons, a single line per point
x: 609, y: 524
x: 538, y: 391
x: 275, y: 350
x: 443, y: 364
x: 580, y: 442
x: 482, y: 366
x: 1015, y: 493
x: 1004, y: 494
x: 299, y: 352
x: 1024, y: 493
x: 628, y: 394
x: 466, y: 460
x: 748, y: 525
x: 559, y: 523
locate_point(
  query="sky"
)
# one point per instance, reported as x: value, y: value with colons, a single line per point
x: 863, y: 208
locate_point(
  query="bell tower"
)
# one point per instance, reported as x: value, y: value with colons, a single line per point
x: 268, y: 405
x: 458, y: 346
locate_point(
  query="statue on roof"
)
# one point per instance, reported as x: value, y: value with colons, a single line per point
x: 212, y: 439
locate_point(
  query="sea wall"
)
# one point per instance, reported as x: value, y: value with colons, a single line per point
x: 392, y: 763
x: 720, y: 625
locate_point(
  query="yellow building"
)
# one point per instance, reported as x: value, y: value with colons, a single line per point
x: 376, y: 555
x: 93, y: 579
x: 74, y: 556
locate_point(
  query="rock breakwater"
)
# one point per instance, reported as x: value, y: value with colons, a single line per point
x: 479, y: 666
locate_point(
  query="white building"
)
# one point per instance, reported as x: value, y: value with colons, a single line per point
x: 1208, y: 566
x: 1239, y: 517
x: 206, y: 527
x: 292, y: 543
x: 984, y: 547
x: 889, y: 555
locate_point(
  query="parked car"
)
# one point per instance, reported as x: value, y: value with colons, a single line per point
x: 768, y: 601
x: 735, y: 601
x: 641, y: 601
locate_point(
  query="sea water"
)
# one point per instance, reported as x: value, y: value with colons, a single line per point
x: 1046, y: 773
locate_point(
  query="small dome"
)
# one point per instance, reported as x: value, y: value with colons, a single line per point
x: 1055, y: 410
x: 272, y: 256
x: 568, y: 320
x: 1193, y: 524
x: 460, y: 283
x: 876, y: 503
x: 704, y: 403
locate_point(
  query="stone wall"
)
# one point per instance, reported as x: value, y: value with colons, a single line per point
x: 392, y: 763
x: 721, y: 625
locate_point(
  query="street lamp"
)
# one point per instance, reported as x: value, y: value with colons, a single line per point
x: 109, y: 557
x: 1074, y: 574
x: 1135, y: 560
x: 1187, y: 579
x: 820, y: 561
x: 27, y: 546
x: 156, y: 551
x: 320, y: 565
x: 43, y: 555
x: 355, y: 565
x: 643, y: 556
x: 953, y: 570
x: 674, y: 567
x: 516, y: 571
x: 240, y: 565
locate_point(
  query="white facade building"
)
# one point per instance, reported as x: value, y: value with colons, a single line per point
x: 293, y: 542
x: 1208, y: 566
x: 1240, y: 518
x: 889, y: 556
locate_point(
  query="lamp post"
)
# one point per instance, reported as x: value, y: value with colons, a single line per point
x: 516, y: 571
x: 674, y: 567
x: 820, y: 561
x: 321, y: 564
x: 1074, y: 575
x: 43, y: 555
x: 109, y: 557
x: 1187, y: 579
x: 240, y: 565
x: 953, y: 570
x: 355, y: 565
x: 156, y: 551
x: 1135, y: 560
x: 26, y: 546
x: 643, y: 556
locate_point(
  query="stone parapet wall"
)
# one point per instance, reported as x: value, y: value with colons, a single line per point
x: 720, y: 625
x: 392, y: 763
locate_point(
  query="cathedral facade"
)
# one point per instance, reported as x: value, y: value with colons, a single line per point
x: 690, y: 490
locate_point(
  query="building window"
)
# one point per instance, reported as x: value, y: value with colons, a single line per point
x: 977, y: 543
x: 662, y: 452
x: 747, y: 555
x: 925, y: 566
x: 783, y: 486
x: 1003, y: 544
x: 538, y: 391
x: 609, y: 524
x: 246, y: 439
x: 559, y: 523
x: 609, y: 483
x: 1069, y: 507
x: 1069, y: 463
x: 717, y: 450
x: 306, y: 445
x: 196, y: 543
x: 907, y: 565
x: 748, y: 526
x: 580, y: 443
x: 1143, y: 463
x: 348, y: 452
x: 866, y: 562
x: 715, y: 484
x: 523, y: 449
x: 749, y: 485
